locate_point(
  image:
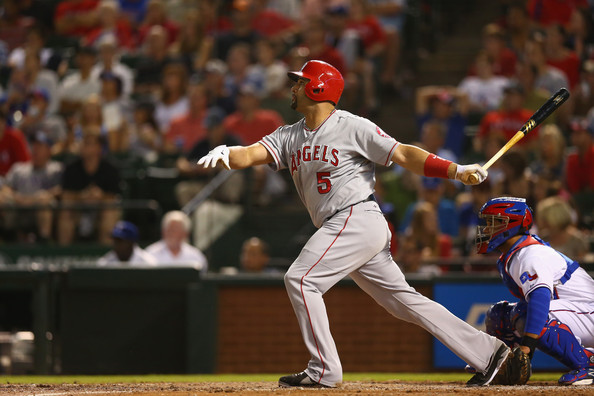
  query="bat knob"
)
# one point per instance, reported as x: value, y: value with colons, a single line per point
x: 473, y: 178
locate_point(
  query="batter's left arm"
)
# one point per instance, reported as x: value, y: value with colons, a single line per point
x: 424, y: 163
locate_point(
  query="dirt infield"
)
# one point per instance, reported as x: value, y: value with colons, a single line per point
x: 271, y: 388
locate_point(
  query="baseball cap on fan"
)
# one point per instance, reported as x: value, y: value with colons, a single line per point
x: 125, y: 230
x: 42, y: 137
x: 214, y: 117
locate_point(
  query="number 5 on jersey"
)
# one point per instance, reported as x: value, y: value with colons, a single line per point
x: 324, y: 184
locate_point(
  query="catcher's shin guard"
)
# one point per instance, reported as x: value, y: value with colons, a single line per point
x: 558, y: 341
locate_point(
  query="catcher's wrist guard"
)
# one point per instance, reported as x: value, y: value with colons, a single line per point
x: 529, y: 342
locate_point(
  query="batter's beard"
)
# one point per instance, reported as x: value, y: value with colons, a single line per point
x: 294, y: 104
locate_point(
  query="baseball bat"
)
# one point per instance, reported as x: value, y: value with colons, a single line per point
x: 539, y: 116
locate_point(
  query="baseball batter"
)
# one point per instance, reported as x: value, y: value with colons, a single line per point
x: 556, y: 309
x: 331, y: 155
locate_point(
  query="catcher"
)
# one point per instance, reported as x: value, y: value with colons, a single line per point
x: 556, y: 309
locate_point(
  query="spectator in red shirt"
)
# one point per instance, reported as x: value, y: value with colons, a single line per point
x: 314, y: 39
x: 186, y: 130
x: 368, y: 27
x: 579, y: 168
x: 509, y: 119
x: 250, y: 123
x: 271, y: 24
x: 156, y: 14
x: 561, y: 57
x: 110, y: 22
x: 13, y: 25
x: 13, y: 146
x: 547, y: 12
x: 504, y: 59
x: 76, y: 18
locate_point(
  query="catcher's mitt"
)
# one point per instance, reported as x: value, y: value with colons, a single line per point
x: 516, y: 369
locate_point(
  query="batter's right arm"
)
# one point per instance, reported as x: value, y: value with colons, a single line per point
x: 236, y: 157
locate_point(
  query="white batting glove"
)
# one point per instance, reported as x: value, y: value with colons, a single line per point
x: 464, y: 173
x: 219, y: 153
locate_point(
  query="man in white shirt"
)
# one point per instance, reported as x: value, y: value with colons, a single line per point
x: 78, y: 86
x: 173, y: 247
x: 125, y: 248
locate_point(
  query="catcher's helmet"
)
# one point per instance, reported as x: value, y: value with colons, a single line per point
x: 501, y: 219
x: 325, y: 81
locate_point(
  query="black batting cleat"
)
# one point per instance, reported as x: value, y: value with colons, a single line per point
x: 299, y: 379
x: 497, y: 362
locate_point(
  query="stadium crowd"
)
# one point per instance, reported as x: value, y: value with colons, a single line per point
x: 90, y: 87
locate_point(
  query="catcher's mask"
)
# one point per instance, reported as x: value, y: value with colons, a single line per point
x: 500, y: 219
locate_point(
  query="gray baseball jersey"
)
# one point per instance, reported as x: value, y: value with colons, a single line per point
x: 333, y: 165
x: 333, y: 170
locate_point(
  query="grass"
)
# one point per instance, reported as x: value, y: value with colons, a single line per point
x: 102, y: 379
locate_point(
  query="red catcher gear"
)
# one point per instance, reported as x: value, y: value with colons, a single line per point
x: 325, y: 81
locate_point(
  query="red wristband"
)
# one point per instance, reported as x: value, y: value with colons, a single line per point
x: 436, y: 166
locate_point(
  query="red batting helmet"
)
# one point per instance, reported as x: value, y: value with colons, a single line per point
x: 325, y: 81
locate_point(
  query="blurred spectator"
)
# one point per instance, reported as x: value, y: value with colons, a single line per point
x: 125, y: 249
x: 447, y: 105
x: 504, y: 59
x: 69, y: 147
x: 76, y: 18
x: 80, y: 84
x: 32, y: 76
x: 551, y: 153
x: 548, y: 77
x: 584, y: 92
x: 273, y: 69
x: 37, y: 117
x: 579, y: 165
x: 115, y: 111
x: 580, y: 32
x: 250, y: 123
x: 112, y: 23
x: 254, y: 256
x: 193, y: 44
x: 241, y: 71
x: 422, y: 242
x: 556, y: 222
x: 152, y: 58
x: 187, y: 129
x: 360, y: 54
x: 41, y: 11
x: 34, y: 42
x: 144, y: 135
x: 545, y: 13
x: 13, y: 25
x: 133, y: 11
x: 289, y: 8
x: 232, y: 189
x: 561, y: 57
x: 173, y: 247
x: 156, y: 15
x: 433, y: 139
x: 469, y: 203
x: 391, y: 15
x: 508, y: 119
x: 271, y: 24
x: 362, y: 19
x: 32, y: 183
x: 485, y: 89
x: 241, y: 31
x: 214, y: 80
x: 174, y: 100
x: 109, y: 62
x: 517, y: 27
x: 90, y: 116
x: 13, y: 146
x: 515, y: 180
x: 313, y: 33
x: 432, y: 190
x: 534, y: 96
x: 89, y: 180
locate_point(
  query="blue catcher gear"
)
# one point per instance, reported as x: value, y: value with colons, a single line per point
x: 503, y: 319
x: 502, y: 218
x: 557, y: 340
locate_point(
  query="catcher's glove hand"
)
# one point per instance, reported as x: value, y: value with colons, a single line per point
x: 516, y: 369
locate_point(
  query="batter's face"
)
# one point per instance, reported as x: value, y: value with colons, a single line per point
x: 298, y: 93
